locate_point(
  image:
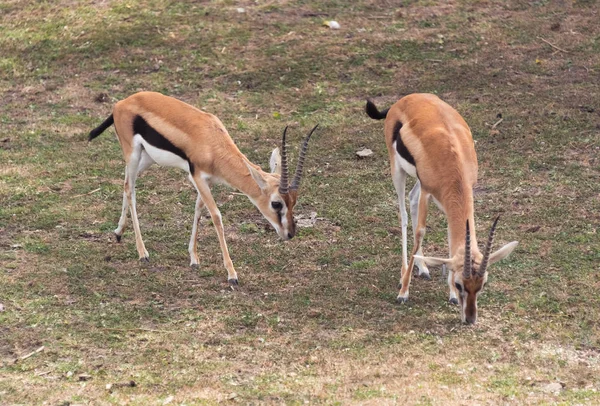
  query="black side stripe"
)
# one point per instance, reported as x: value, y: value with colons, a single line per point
x: 400, y: 147
x: 156, y: 139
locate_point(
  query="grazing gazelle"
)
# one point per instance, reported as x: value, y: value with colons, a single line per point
x: 153, y: 128
x: 429, y: 140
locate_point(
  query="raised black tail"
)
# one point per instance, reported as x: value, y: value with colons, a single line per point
x: 374, y: 113
x: 100, y: 129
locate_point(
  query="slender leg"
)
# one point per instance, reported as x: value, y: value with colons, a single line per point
x: 215, y: 215
x: 132, y: 171
x: 406, y: 274
x: 452, y: 289
x: 399, y: 179
x: 413, y: 196
x: 145, y: 163
x: 193, y: 247
x: 453, y: 293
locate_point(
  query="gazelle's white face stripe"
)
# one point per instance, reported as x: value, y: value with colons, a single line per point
x: 282, y: 230
x: 403, y: 163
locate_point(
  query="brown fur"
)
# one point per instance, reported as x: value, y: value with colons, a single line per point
x: 441, y: 143
x: 212, y: 153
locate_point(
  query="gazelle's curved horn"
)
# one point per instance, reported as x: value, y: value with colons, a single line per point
x: 488, y: 249
x: 283, y: 183
x: 467, y: 267
x: 298, y: 177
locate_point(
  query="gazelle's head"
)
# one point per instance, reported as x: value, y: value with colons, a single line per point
x: 278, y: 197
x: 470, y: 271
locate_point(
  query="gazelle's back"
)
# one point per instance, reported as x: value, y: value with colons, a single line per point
x: 432, y: 128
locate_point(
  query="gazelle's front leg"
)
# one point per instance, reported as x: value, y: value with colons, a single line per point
x: 420, y: 233
x: 413, y: 196
x: 215, y: 215
x: 193, y: 247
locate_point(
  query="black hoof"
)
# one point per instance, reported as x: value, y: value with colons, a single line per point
x: 145, y: 259
x: 118, y: 237
x: 399, y: 285
x: 425, y: 276
x: 401, y: 300
x: 232, y: 282
x: 195, y: 266
x: 453, y: 301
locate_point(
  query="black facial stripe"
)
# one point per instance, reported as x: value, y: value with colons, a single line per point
x: 156, y: 139
x: 400, y: 147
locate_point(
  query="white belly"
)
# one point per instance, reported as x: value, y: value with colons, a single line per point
x: 404, y: 164
x: 162, y: 157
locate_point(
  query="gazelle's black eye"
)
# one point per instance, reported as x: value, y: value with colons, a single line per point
x: 459, y: 287
x: 277, y: 205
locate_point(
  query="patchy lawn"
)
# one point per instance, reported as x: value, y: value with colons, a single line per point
x: 314, y: 319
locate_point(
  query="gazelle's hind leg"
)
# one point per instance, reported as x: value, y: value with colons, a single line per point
x: 193, y: 247
x: 132, y: 170
x: 145, y: 163
x: 399, y: 179
x: 413, y: 196
x: 420, y: 232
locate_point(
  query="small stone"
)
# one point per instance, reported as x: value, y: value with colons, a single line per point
x: 363, y: 153
x: 334, y: 25
x: 554, y: 387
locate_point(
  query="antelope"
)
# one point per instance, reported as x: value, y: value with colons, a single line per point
x: 427, y: 139
x: 153, y: 128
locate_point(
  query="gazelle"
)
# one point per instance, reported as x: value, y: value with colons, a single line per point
x: 429, y: 140
x: 153, y: 128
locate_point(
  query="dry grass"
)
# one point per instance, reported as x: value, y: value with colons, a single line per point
x: 314, y: 319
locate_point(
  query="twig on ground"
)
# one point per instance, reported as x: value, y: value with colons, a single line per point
x: 88, y: 193
x: 138, y: 329
x: 553, y: 46
x: 24, y: 357
x: 496, y: 123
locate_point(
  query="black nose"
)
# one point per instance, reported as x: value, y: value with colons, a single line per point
x: 290, y: 236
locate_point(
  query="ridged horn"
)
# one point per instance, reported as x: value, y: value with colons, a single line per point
x: 467, y: 266
x: 283, y: 183
x: 298, y: 177
x: 488, y: 249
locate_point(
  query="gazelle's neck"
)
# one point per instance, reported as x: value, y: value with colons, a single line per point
x: 232, y: 170
x: 460, y: 211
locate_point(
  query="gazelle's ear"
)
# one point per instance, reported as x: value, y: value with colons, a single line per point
x: 275, y: 162
x: 434, y: 261
x: 503, y: 252
x: 257, y: 176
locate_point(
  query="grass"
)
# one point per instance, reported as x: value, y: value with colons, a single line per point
x: 314, y: 319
